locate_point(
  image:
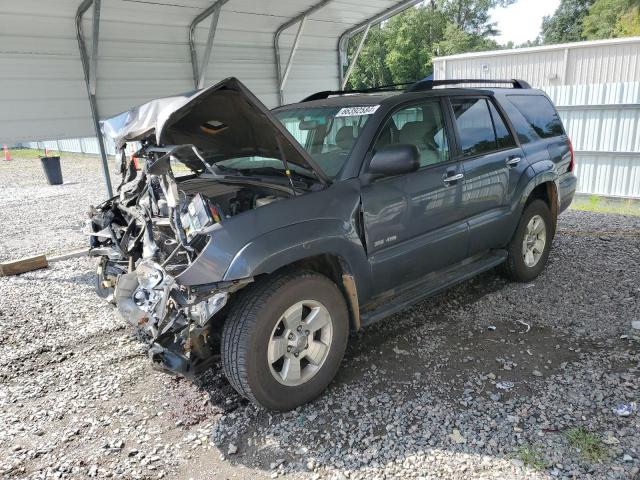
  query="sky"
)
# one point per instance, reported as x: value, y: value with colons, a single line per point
x: 522, y: 20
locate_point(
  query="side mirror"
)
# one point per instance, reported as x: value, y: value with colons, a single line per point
x: 395, y: 160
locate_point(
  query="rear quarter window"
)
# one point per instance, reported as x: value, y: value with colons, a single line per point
x: 539, y: 113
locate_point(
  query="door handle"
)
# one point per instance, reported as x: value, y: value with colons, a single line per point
x: 452, y: 178
x: 513, y: 161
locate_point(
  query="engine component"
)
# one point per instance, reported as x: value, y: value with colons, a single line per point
x: 200, y: 214
x: 262, y: 201
x: 149, y: 274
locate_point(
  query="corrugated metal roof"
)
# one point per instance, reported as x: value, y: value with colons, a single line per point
x: 144, y: 54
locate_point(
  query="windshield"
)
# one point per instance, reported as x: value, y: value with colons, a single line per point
x: 326, y: 133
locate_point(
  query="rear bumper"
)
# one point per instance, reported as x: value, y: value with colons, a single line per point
x: 566, y: 190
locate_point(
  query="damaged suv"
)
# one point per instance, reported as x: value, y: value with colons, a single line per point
x: 259, y: 239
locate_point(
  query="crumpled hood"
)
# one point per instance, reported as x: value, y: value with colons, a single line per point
x: 223, y: 121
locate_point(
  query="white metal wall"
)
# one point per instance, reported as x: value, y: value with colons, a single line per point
x: 596, y: 88
x: 72, y: 145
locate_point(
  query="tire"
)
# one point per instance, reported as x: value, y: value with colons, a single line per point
x: 256, y: 332
x: 519, y: 267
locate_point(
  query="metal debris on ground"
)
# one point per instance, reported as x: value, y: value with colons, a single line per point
x: 505, y: 385
x: 491, y: 327
x: 522, y: 322
x: 625, y: 409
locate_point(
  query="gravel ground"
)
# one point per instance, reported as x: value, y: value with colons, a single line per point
x: 417, y: 397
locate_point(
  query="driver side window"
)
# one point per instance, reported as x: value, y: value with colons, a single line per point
x: 421, y: 125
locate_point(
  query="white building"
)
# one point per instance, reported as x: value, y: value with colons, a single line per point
x: 596, y: 88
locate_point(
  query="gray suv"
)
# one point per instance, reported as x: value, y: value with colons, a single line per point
x: 257, y: 240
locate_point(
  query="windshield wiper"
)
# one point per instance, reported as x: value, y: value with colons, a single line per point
x: 272, y: 172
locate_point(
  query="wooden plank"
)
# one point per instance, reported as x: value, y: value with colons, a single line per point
x: 66, y: 256
x: 23, y: 265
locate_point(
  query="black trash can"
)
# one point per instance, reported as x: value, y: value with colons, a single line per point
x: 52, y: 170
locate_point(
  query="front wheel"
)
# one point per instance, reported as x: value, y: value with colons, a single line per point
x: 284, y: 338
x: 530, y: 246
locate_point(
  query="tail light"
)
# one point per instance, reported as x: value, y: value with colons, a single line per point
x: 572, y: 162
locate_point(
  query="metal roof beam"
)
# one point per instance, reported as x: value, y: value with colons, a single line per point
x: 281, y: 78
x: 89, y: 68
x: 200, y: 71
x: 355, y: 58
x: 343, y: 41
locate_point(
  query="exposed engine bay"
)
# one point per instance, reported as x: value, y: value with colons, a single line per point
x: 162, y: 243
x: 152, y: 232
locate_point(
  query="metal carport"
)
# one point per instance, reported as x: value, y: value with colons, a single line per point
x: 136, y: 50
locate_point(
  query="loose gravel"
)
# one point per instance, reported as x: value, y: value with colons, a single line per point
x: 489, y: 380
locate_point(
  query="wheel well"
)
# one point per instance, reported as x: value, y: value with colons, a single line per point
x: 330, y: 266
x: 548, y: 193
x: 337, y: 270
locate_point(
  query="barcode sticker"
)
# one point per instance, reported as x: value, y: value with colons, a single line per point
x: 356, y: 111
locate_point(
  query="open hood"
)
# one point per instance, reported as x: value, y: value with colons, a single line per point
x: 224, y: 121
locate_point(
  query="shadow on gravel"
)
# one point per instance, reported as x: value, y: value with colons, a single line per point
x: 411, y: 385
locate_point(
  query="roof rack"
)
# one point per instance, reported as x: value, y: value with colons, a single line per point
x: 418, y: 86
x: 382, y: 88
x: 429, y: 84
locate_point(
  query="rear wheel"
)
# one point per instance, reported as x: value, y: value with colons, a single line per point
x: 284, y: 338
x: 529, y: 248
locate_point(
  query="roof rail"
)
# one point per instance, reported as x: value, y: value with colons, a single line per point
x: 429, y: 84
x: 382, y: 88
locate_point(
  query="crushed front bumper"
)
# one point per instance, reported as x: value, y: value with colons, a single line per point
x: 175, y: 321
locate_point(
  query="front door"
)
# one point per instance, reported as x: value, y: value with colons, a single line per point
x: 489, y: 157
x: 412, y: 222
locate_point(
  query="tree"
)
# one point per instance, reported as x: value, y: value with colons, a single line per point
x: 410, y: 42
x: 459, y: 41
x: 628, y: 24
x: 472, y: 16
x: 371, y: 68
x: 565, y: 25
x: 402, y: 48
x: 611, y: 19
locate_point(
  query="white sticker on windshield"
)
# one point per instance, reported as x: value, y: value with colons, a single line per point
x: 356, y: 111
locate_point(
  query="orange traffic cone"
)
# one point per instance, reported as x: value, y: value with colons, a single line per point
x: 7, y: 153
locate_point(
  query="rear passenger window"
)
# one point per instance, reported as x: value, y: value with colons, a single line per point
x: 476, y: 127
x: 421, y: 125
x: 539, y: 113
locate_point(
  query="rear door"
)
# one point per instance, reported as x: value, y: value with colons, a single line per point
x: 492, y: 162
x: 412, y: 222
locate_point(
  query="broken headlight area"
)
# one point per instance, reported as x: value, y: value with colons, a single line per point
x: 179, y: 323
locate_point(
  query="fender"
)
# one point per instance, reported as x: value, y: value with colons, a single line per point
x: 536, y: 174
x: 286, y: 245
x: 539, y: 172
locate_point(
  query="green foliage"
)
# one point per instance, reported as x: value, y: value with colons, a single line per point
x: 371, y: 68
x: 531, y: 457
x: 459, y: 41
x: 402, y: 49
x: 565, y: 25
x: 472, y: 16
x: 602, y: 18
x: 590, y: 444
x: 577, y: 20
x: 596, y: 203
x: 411, y: 43
x: 611, y: 19
x: 628, y: 24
